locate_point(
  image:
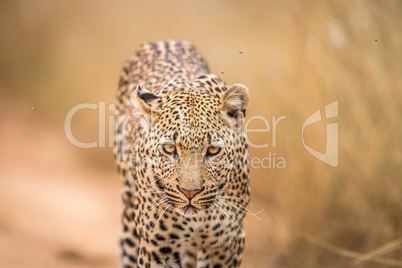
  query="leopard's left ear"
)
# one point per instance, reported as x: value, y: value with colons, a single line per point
x: 234, y: 101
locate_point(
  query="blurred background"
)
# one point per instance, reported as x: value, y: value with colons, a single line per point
x: 60, y: 205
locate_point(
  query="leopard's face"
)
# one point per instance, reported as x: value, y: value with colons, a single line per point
x: 193, y: 147
x: 194, y: 151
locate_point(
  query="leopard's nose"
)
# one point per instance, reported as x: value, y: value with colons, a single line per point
x: 189, y: 193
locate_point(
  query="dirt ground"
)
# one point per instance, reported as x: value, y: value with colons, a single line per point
x: 54, y: 212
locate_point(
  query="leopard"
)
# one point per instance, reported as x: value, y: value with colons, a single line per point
x: 182, y: 156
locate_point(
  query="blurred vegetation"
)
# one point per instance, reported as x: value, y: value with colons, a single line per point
x: 294, y: 56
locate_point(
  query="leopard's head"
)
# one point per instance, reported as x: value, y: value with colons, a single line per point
x: 195, y: 145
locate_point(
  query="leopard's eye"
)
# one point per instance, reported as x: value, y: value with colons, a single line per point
x: 213, y: 150
x: 169, y: 148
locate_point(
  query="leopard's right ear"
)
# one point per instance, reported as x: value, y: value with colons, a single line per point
x: 144, y: 100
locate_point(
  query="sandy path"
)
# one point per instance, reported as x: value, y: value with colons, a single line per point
x: 54, y: 212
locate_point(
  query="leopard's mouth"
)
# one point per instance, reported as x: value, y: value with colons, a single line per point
x: 190, y: 209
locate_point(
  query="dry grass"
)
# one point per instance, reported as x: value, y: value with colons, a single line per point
x: 297, y: 56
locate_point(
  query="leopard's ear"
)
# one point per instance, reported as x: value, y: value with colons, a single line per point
x: 144, y: 100
x: 234, y: 101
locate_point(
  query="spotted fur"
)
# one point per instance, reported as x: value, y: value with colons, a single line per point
x: 182, y: 154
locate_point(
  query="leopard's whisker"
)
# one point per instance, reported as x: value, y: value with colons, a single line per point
x: 238, y: 214
x: 160, y: 216
x: 234, y: 197
x: 242, y: 208
x: 156, y: 205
